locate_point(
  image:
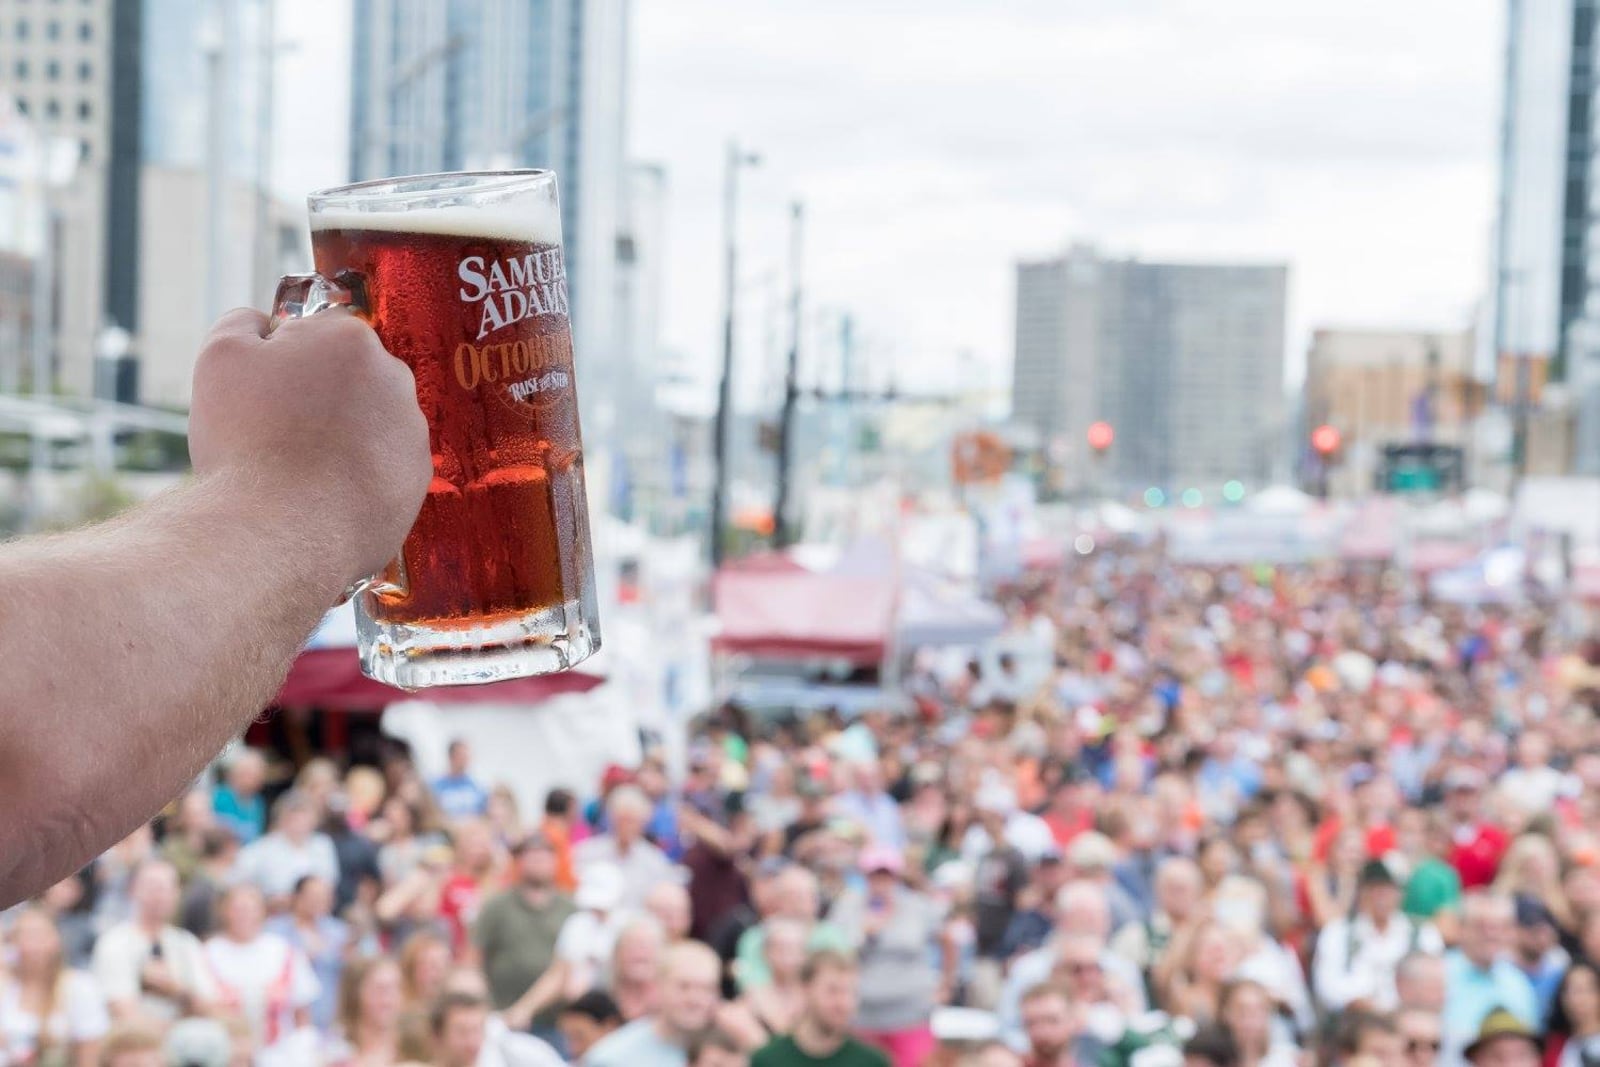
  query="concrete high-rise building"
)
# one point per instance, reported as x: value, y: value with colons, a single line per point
x: 1545, y: 283
x: 1390, y: 387
x: 1184, y: 360
x: 471, y: 84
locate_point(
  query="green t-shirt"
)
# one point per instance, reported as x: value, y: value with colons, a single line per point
x: 1433, y: 887
x: 783, y: 1052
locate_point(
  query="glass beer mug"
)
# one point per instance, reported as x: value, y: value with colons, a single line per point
x: 461, y: 275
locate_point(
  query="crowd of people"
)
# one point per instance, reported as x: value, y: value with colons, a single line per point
x: 1268, y: 817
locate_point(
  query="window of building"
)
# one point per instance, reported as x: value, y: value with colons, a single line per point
x: 83, y: 150
x: 52, y: 70
x: 85, y: 31
x: 84, y: 109
x: 22, y: 70
x: 22, y: 29
x: 85, y: 71
x: 22, y: 106
x: 52, y: 108
x: 52, y: 30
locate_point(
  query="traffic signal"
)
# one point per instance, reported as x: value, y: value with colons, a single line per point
x: 1101, y: 435
x: 1326, y: 440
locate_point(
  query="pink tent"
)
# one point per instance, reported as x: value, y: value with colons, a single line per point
x: 795, y: 614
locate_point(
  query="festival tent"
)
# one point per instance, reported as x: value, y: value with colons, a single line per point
x: 935, y: 612
x: 802, y: 614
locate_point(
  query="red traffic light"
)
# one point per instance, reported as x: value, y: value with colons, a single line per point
x: 1325, y: 439
x: 1101, y: 435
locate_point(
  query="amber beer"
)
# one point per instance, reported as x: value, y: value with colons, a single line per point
x: 495, y: 578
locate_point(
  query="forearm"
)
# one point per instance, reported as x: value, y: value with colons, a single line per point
x: 542, y: 994
x: 133, y: 651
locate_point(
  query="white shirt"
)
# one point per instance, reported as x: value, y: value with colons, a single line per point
x: 1355, y: 961
x: 274, y: 863
x: 265, y: 980
x: 122, y: 952
x: 1025, y: 832
x: 80, y: 1015
x: 503, y: 1048
x: 1532, y: 789
x: 642, y: 867
x: 586, y: 941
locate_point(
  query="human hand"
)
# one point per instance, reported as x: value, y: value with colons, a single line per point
x: 317, y: 419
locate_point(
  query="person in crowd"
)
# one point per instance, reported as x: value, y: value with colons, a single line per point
x: 795, y: 895
x: 560, y: 827
x: 1361, y: 1036
x: 1480, y: 976
x: 457, y: 793
x: 258, y: 976
x: 1503, y: 1040
x: 1210, y: 1046
x: 464, y: 1034
x: 517, y: 930
x: 1246, y: 1011
x: 1177, y: 888
x: 1356, y: 955
x: 1051, y: 1024
x: 1536, y: 949
x: 324, y: 941
x: 1420, y: 983
x: 214, y: 871
x: 588, y: 937
x: 635, y: 973
x: 371, y: 1004
x: 867, y: 805
x: 293, y: 849
x: 1478, y: 842
x: 237, y: 802
x: 769, y: 1010
x: 424, y: 968
x: 717, y: 1048
x: 1421, y: 1036
x: 183, y: 840
x: 49, y: 1013
x: 131, y: 1046
x: 504, y: 815
x: 891, y: 927
x: 1572, y: 1030
x: 822, y: 1034
x: 623, y: 845
x: 1092, y: 858
x: 68, y: 905
x: 668, y: 903
x: 1433, y: 887
x: 404, y: 842
x: 148, y: 969
x: 690, y: 980
x: 585, y: 1020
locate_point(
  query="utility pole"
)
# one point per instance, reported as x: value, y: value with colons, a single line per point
x: 719, y: 445
x: 783, y: 530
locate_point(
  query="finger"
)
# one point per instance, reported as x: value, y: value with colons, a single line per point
x: 243, y: 323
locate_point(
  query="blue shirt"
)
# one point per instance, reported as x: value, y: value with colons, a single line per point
x: 459, y: 796
x: 246, y: 819
x: 1471, y: 993
x: 327, y: 963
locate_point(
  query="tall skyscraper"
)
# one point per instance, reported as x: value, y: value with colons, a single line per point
x: 1545, y: 282
x: 1184, y: 360
x: 470, y: 84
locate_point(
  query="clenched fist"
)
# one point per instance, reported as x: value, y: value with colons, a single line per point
x: 317, y: 419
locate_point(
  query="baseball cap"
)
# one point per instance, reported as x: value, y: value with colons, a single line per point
x: 1376, y: 872
x: 881, y: 858
x: 600, y: 888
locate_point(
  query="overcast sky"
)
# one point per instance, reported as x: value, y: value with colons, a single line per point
x: 937, y: 141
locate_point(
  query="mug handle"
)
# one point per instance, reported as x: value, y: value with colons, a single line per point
x: 298, y: 296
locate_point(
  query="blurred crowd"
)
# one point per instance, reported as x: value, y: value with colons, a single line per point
x: 1268, y: 817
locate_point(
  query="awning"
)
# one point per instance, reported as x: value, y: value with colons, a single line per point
x: 331, y: 678
x: 798, y: 614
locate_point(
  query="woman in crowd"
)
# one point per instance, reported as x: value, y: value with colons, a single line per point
x: 1572, y: 1036
x: 424, y: 965
x: 258, y: 975
x: 892, y: 927
x: 1191, y: 976
x: 49, y: 1016
x: 370, y: 1008
x: 310, y: 928
x: 1531, y: 867
x: 1245, y: 1010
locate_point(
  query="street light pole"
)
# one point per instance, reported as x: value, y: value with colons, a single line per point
x: 783, y: 528
x: 719, y: 495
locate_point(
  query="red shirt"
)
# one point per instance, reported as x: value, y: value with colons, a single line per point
x: 1477, y: 852
x: 1064, y: 830
x: 458, y: 907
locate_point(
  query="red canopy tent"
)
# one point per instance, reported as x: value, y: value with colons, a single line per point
x: 793, y: 614
x: 331, y: 679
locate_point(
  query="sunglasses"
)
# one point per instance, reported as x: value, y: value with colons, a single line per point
x: 1415, y: 1045
x: 1081, y: 967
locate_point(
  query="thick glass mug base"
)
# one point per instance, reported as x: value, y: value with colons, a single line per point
x: 416, y: 657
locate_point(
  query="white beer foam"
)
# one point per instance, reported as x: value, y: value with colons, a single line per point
x: 534, y: 223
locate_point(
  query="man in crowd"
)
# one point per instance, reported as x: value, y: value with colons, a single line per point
x: 690, y: 980
x: 1356, y: 955
x: 822, y: 1034
x: 237, y: 802
x: 457, y: 793
x: 517, y: 930
x: 623, y: 846
x: 1480, y: 976
x: 294, y: 849
x: 1051, y: 1023
x: 147, y: 968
